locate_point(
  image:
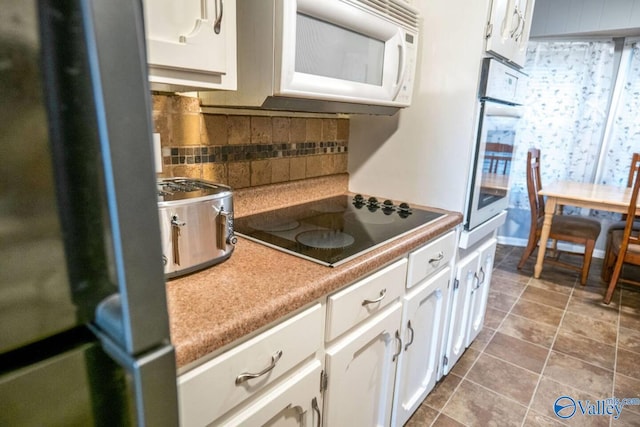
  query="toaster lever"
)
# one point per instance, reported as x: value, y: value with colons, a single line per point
x: 175, y: 236
x: 222, y: 233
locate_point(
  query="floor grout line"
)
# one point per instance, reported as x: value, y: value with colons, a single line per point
x: 615, y: 357
x: 544, y: 366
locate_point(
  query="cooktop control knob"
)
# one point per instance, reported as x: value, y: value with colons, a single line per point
x: 373, y: 202
x: 387, y: 207
x: 404, y: 210
x: 358, y: 201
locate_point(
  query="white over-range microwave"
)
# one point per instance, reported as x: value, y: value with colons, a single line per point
x: 351, y: 56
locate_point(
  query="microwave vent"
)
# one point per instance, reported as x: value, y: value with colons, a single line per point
x: 396, y: 11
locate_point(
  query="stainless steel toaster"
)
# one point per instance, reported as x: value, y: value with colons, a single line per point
x: 196, y: 224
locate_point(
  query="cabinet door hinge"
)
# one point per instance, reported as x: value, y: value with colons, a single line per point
x: 324, y: 379
x: 445, y: 361
x: 456, y: 284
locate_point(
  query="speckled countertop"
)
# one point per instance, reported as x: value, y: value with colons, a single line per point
x: 258, y: 285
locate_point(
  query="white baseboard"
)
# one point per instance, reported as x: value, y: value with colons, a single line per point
x: 514, y: 241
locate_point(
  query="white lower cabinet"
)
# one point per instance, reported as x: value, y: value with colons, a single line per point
x: 361, y: 371
x: 468, y: 300
x: 424, y: 314
x: 480, y: 292
x: 368, y: 357
x: 243, y: 375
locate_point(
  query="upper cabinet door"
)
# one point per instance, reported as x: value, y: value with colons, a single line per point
x: 191, y: 44
x: 508, y: 29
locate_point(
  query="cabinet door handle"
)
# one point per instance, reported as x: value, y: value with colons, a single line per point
x: 316, y: 409
x: 482, y: 275
x: 395, y: 356
x: 437, y: 258
x: 383, y: 293
x: 412, y: 335
x: 476, y: 282
x: 517, y: 32
x: 218, y: 21
x: 247, y: 376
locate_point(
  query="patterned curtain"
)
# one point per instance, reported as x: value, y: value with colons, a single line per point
x: 624, y: 134
x: 570, y: 83
x: 624, y: 137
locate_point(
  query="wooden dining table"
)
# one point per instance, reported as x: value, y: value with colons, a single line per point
x: 581, y: 194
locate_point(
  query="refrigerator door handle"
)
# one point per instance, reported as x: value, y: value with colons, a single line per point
x: 121, y: 90
x: 154, y: 388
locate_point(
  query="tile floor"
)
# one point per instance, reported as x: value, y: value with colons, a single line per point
x: 542, y: 339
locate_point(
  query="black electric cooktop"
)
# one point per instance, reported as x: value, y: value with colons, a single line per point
x: 332, y: 231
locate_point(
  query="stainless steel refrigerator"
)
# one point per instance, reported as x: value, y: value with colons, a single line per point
x: 84, y: 331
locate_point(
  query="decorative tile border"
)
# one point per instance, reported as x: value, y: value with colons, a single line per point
x: 247, y: 152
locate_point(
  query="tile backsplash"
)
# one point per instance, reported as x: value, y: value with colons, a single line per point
x: 246, y: 150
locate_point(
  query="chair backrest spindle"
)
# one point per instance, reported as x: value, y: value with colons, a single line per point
x: 534, y: 185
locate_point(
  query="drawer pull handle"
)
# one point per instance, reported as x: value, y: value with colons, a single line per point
x: 438, y: 258
x: 406, y: 346
x: 383, y: 293
x: 395, y: 356
x: 247, y: 376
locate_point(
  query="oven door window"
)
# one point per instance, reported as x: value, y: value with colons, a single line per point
x: 498, y: 127
x: 496, y: 158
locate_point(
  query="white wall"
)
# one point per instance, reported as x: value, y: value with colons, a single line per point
x: 422, y: 154
x: 564, y: 17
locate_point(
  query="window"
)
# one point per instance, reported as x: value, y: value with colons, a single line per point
x: 581, y: 111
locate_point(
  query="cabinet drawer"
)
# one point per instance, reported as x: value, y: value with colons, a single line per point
x: 292, y: 399
x: 430, y: 258
x: 361, y: 300
x: 210, y: 390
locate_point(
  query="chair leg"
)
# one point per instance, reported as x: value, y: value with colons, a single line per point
x: 607, y: 263
x: 588, y: 253
x: 528, y: 250
x: 614, y: 278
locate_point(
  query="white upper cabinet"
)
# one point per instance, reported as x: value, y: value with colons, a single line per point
x: 508, y: 29
x: 191, y: 44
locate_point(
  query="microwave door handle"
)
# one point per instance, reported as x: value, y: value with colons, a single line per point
x: 402, y: 66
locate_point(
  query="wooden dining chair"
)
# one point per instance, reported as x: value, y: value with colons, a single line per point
x: 575, y: 229
x: 625, y: 246
x: 634, y: 168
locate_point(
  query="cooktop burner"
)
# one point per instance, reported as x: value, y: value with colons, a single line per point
x: 325, y: 239
x: 334, y: 230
